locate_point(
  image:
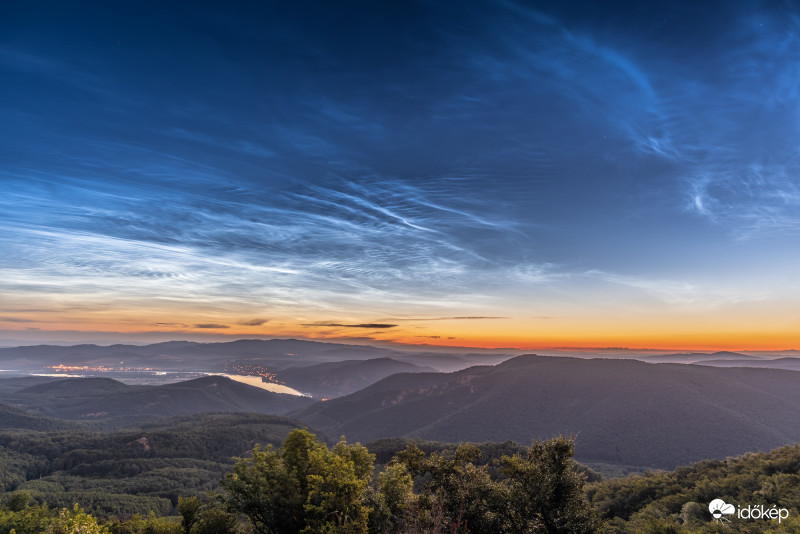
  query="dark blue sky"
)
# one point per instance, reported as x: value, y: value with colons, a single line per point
x: 588, y: 171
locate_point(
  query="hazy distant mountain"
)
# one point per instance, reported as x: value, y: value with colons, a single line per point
x: 622, y: 411
x: 790, y: 353
x: 185, y: 354
x: 335, y: 379
x: 191, y: 356
x: 14, y: 384
x: 75, y: 387
x: 792, y: 364
x: 694, y: 357
x: 729, y: 359
x: 100, y: 398
x: 448, y: 363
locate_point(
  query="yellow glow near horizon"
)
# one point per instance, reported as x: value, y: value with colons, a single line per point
x: 531, y: 334
x: 596, y: 319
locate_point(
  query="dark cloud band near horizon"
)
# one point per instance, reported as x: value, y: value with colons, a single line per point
x: 362, y: 325
x: 455, y: 318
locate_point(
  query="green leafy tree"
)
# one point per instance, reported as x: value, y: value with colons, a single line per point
x: 18, y: 501
x: 393, y: 502
x: 149, y: 524
x: 295, y: 453
x: 693, y: 513
x: 188, y: 508
x: 75, y: 521
x: 261, y: 488
x: 30, y: 520
x: 215, y: 520
x: 545, y: 492
x: 302, y: 486
x: 457, y: 496
x: 337, y: 484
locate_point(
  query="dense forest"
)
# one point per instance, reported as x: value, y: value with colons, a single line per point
x: 133, y: 470
x: 249, y: 473
x: 678, y: 501
x: 305, y: 486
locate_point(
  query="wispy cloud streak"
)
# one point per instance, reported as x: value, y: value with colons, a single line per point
x: 430, y: 161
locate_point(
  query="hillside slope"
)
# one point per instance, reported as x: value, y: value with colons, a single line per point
x: 133, y: 470
x: 11, y: 417
x: 657, y: 501
x: 96, y: 398
x: 335, y: 379
x: 621, y: 411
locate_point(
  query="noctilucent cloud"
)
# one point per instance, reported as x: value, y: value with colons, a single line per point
x: 496, y: 174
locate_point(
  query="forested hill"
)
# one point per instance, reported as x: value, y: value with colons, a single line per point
x: 334, y: 379
x: 102, y: 398
x: 622, y: 411
x: 131, y: 470
x: 11, y: 417
x: 678, y: 501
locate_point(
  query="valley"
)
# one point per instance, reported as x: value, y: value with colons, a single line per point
x: 138, y: 443
x: 639, y: 413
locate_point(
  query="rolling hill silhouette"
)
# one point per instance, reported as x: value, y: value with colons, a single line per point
x: 335, y: 379
x: 11, y: 417
x: 621, y: 411
x: 97, y: 398
x: 695, y: 357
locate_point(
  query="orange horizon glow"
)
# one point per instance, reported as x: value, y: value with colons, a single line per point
x: 680, y: 340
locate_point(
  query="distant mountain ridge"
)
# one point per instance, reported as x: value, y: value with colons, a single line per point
x: 788, y: 363
x: 729, y: 359
x: 99, y: 398
x: 621, y: 411
x: 193, y: 356
x: 694, y: 357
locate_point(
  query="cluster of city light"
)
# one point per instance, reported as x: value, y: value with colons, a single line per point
x: 252, y: 369
x: 61, y: 368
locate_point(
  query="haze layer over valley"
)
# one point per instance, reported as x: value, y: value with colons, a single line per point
x: 624, y: 412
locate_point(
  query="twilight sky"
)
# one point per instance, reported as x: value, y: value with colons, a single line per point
x: 510, y: 174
